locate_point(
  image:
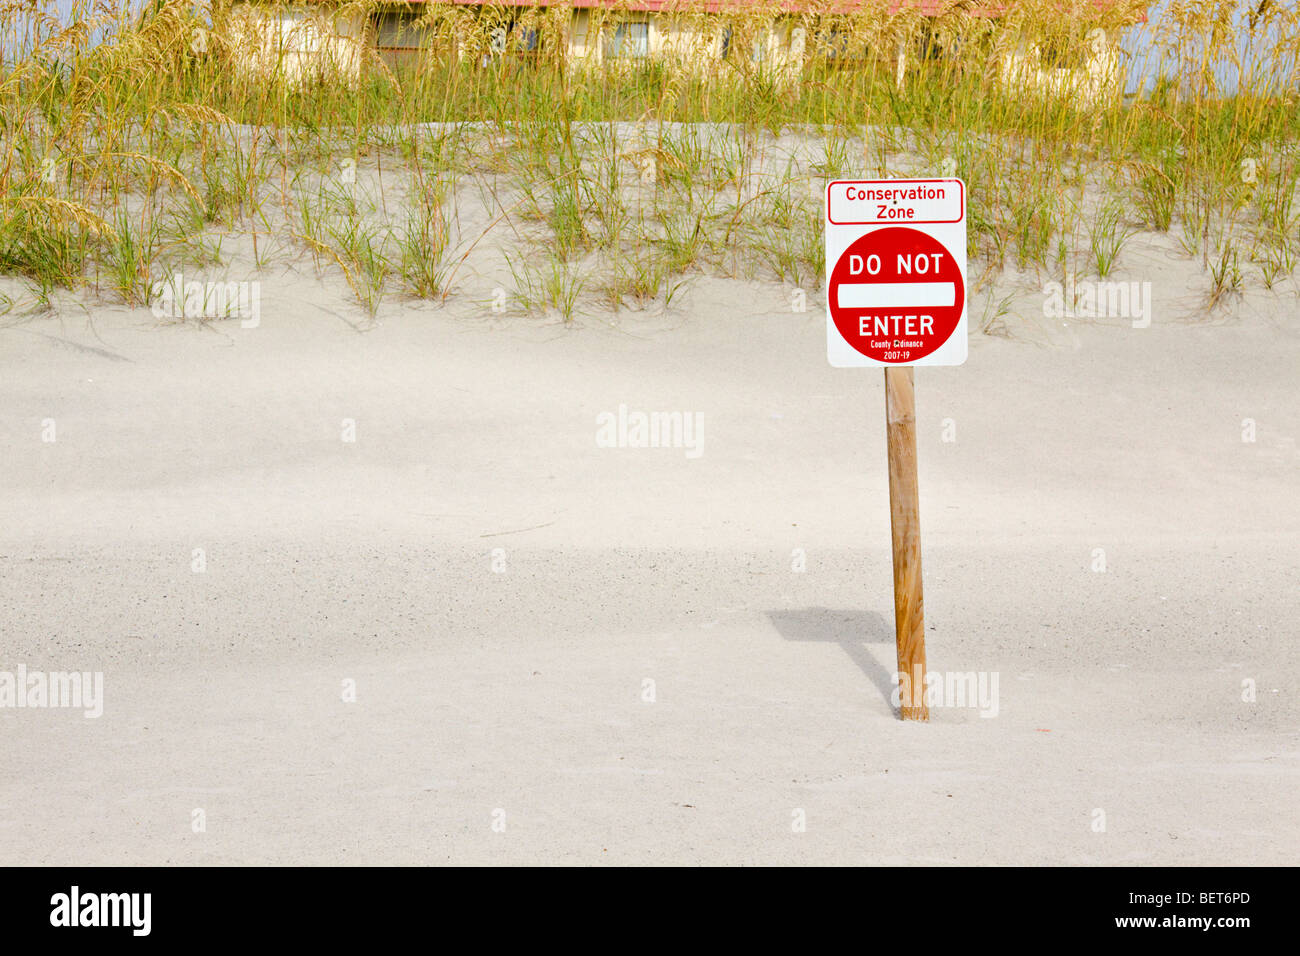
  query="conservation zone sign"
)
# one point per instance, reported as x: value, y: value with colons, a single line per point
x: 896, y: 272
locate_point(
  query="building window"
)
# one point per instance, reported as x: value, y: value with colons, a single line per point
x: 526, y: 39
x: 399, y: 30
x: 734, y: 44
x: 836, y: 45
x: 630, y: 40
x: 507, y: 38
x: 840, y: 50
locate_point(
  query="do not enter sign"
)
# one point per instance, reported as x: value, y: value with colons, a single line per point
x: 896, y: 283
x: 896, y: 295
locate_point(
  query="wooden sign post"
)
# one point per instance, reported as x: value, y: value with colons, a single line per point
x: 896, y: 297
x: 905, y: 529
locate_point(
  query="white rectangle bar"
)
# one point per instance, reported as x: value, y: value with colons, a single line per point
x: 896, y: 295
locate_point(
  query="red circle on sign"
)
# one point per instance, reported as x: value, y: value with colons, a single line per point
x: 896, y: 295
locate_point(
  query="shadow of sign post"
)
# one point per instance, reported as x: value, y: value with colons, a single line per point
x: 853, y: 630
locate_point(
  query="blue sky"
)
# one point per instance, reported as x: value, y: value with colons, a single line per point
x: 1140, y: 44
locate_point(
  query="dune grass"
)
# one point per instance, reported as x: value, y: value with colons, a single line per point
x: 135, y: 147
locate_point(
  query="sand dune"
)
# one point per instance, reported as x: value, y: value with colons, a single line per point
x: 500, y: 589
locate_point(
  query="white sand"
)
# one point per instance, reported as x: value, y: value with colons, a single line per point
x: 328, y: 561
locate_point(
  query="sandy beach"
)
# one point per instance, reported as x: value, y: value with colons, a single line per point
x: 473, y: 635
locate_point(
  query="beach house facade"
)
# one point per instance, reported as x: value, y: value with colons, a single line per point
x: 314, y: 40
x: 322, y: 38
